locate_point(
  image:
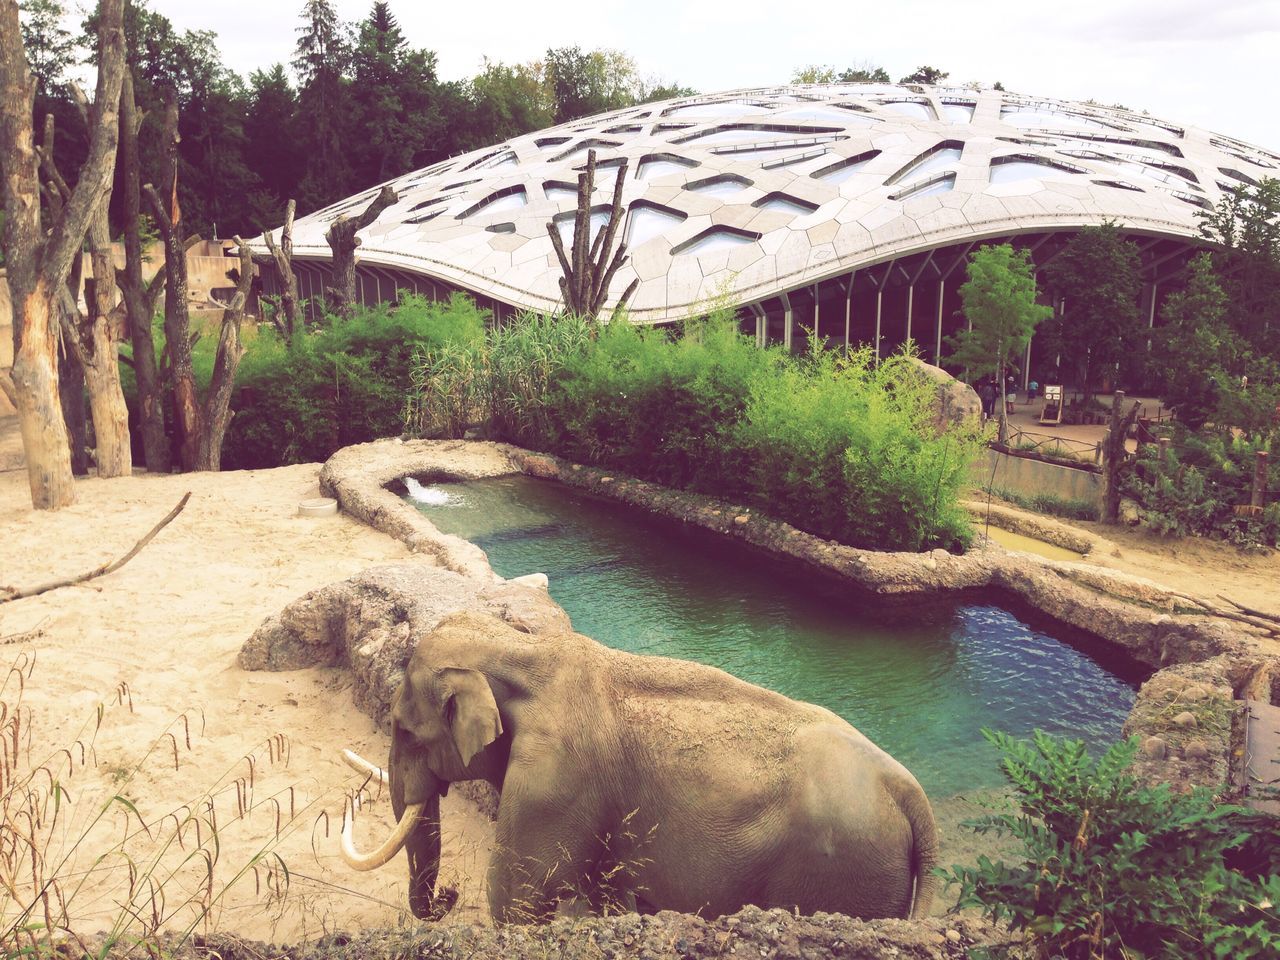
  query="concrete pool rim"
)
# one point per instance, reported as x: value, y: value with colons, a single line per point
x: 1198, y: 660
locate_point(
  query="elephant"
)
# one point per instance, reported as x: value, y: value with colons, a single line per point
x: 645, y: 783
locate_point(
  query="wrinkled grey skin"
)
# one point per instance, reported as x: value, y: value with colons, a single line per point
x: 649, y: 783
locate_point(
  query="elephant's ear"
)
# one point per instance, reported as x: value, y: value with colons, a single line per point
x: 470, y: 710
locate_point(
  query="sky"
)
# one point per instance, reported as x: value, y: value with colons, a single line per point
x: 1208, y: 64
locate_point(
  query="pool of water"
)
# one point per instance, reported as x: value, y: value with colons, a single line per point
x: 921, y: 680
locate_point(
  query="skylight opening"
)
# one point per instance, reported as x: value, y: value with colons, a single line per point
x: 656, y: 165
x: 780, y: 202
x: 937, y: 157
x: 926, y: 188
x: 714, y: 239
x: 842, y: 170
x: 508, y: 198
x: 648, y: 220
x: 724, y: 185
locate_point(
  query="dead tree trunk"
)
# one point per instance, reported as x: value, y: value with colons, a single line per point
x: 71, y: 400
x: 39, y: 260
x: 285, y: 317
x: 342, y: 240
x: 140, y: 299
x: 177, y: 316
x: 588, y: 274
x: 217, y: 405
x: 93, y: 338
x: 1114, y: 453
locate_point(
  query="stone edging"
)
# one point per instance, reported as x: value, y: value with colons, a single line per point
x: 1133, y: 616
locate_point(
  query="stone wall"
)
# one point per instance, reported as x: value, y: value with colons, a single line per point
x: 1028, y: 477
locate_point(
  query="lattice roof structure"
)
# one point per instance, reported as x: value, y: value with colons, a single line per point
x: 751, y: 193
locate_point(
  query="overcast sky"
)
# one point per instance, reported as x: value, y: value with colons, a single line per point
x: 1211, y: 64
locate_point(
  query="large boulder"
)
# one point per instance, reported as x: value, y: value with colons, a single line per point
x: 372, y: 622
x: 957, y: 403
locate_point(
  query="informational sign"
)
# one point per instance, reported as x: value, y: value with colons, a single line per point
x: 1051, y: 412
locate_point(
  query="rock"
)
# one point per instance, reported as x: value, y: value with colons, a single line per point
x: 537, y: 466
x: 1129, y: 512
x: 956, y: 404
x: 1196, y: 750
x: 536, y: 580
x: 741, y: 519
x: 1153, y: 748
x: 1185, y: 719
x: 372, y: 621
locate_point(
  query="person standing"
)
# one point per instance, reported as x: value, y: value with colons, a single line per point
x: 987, y: 394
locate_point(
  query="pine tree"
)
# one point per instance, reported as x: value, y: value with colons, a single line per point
x: 320, y: 61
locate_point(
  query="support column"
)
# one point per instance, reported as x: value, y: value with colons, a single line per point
x: 911, y: 297
x: 879, y: 304
x: 848, y: 310
x: 937, y: 347
x: 787, y: 321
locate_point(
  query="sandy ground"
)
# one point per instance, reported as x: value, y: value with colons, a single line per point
x: 169, y: 625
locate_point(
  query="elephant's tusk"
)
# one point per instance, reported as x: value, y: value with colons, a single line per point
x: 390, y: 847
x: 357, y: 762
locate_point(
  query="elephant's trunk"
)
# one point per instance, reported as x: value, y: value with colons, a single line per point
x: 423, y: 848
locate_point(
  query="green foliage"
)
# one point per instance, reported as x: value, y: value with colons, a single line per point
x: 1195, y: 347
x: 842, y: 448
x: 864, y: 72
x: 1098, y: 275
x: 1193, y: 489
x: 299, y: 402
x: 930, y: 75
x: 1069, y: 508
x: 662, y: 408
x: 1112, y: 868
x: 1245, y: 230
x: 999, y: 299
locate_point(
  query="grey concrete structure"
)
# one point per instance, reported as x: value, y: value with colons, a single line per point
x: 845, y: 207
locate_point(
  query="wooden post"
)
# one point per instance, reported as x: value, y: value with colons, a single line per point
x: 1258, y: 496
x: 1115, y: 454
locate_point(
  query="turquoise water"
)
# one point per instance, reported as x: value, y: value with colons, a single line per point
x: 920, y: 679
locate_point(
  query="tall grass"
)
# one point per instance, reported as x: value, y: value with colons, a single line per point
x: 83, y: 851
x: 842, y: 447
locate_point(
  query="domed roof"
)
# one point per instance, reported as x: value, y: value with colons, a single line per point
x: 752, y: 192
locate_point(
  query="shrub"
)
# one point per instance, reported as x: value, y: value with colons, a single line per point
x: 1194, y: 487
x: 663, y: 408
x: 842, y: 448
x: 346, y: 383
x: 1113, y: 868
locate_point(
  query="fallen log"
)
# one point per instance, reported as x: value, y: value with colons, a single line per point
x: 8, y: 594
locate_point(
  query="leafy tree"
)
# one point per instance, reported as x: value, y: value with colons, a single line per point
x: 999, y: 301
x: 928, y: 75
x: 1097, y: 274
x: 653, y: 90
x: 863, y: 72
x: 814, y: 73
x: 589, y: 82
x: 1195, y: 347
x: 50, y: 47
x: 506, y: 101
x: 1245, y: 231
